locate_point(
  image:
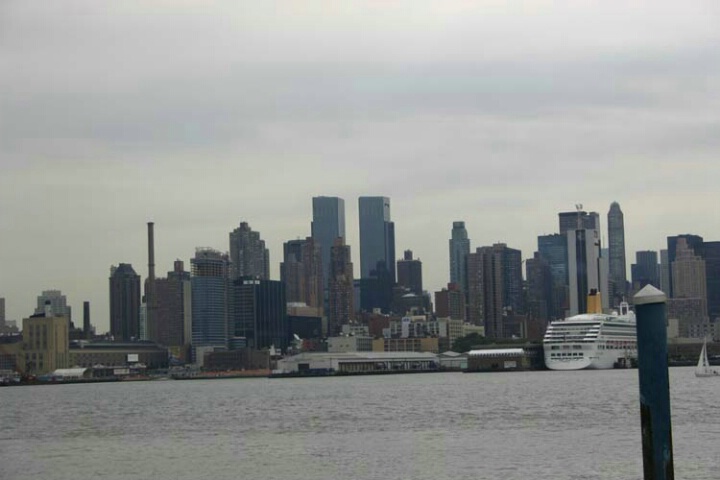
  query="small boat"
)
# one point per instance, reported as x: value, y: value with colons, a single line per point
x: 703, y: 368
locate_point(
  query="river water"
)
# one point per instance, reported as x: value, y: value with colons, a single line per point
x: 519, y: 425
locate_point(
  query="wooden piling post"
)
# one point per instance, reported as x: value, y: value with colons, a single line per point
x: 654, y: 384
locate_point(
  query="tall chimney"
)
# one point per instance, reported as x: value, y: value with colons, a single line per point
x: 150, y: 289
x: 86, y: 319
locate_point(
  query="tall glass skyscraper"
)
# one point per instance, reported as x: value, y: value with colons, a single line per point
x: 553, y: 249
x: 459, y: 250
x: 377, y: 237
x: 616, y: 246
x: 328, y: 224
x: 209, y: 281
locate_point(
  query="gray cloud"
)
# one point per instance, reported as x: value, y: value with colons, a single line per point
x: 200, y: 116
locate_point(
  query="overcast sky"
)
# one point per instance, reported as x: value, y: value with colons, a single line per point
x: 199, y: 115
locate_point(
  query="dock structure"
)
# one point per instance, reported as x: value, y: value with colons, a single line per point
x: 654, y: 384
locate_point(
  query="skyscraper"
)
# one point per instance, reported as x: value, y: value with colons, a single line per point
x: 616, y: 246
x: 494, y: 287
x: 341, y: 294
x: 292, y: 271
x: 57, y: 302
x: 689, y: 285
x: 450, y: 302
x: 409, y: 272
x: 377, y: 237
x: 209, y: 286
x: 302, y: 272
x: 484, y: 274
x: 173, y: 312
x: 584, y: 273
x: 711, y: 255
x: 578, y: 219
x: 553, y: 250
x: 665, y: 271
x: 124, y: 302
x: 248, y: 254
x: 2, y: 312
x: 259, y: 313
x: 539, y: 288
x: 645, y: 270
x: 694, y: 242
x: 459, y: 244
x: 328, y: 223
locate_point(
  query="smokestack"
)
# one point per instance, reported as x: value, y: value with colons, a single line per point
x: 86, y: 319
x: 150, y: 288
x: 151, y: 251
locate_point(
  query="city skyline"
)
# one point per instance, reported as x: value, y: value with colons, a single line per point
x: 499, y: 117
x: 434, y: 280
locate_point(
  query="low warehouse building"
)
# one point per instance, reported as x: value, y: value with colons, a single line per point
x: 357, y: 363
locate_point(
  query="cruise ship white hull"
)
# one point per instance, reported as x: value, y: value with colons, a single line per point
x: 591, y: 341
x: 592, y: 360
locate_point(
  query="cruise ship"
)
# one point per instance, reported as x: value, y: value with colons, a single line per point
x: 592, y: 341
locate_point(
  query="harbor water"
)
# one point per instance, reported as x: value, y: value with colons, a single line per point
x: 519, y: 425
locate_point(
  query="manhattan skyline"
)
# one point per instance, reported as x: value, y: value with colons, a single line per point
x: 497, y: 115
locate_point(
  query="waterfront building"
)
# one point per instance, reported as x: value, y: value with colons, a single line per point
x: 616, y: 246
x: 459, y: 245
x: 377, y: 238
x: 505, y: 358
x: 328, y: 223
x: 57, y: 302
x: 237, y: 360
x: 645, y: 270
x: 450, y: 302
x: 259, y: 313
x: 341, y: 295
x: 118, y: 354
x: 209, y: 281
x: 359, y: 362
x: 45, y: 343
x: 11, y: 353
x: 124, y: 302
x: 302, y: 272
x: 248, y: 254
x: 409, y: 273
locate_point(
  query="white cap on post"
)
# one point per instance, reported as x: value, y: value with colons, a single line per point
x: 649, y: 294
